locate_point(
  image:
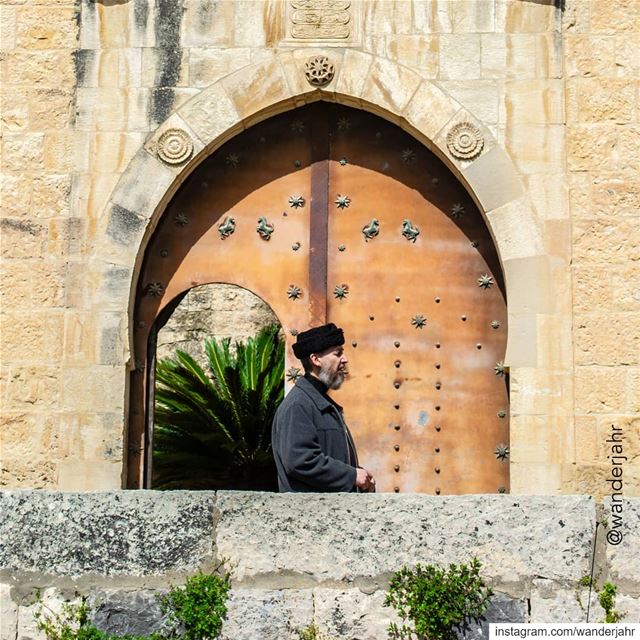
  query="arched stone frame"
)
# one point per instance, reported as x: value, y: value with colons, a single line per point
x: 382, y: 86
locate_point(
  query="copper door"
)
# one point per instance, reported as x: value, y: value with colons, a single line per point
x: 332, y: 214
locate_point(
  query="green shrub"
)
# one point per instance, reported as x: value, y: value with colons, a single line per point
x: 213, y: 431
x: 607, y: 600
x: 433, y: 602
x: 196, y: 612
x: 198, y: 609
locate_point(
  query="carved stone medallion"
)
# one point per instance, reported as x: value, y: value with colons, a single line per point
x: 174, y: 146
x: 319, y: 71
x: 465, y: 141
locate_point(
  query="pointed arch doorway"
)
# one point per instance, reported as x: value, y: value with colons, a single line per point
x: 332, y: 214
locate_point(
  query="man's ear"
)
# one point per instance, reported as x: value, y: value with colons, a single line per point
x: 315, y: 361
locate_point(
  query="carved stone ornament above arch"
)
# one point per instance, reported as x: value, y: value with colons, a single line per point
x: 379, y: 85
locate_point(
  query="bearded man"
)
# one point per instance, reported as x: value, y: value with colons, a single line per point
x: 312, y: 446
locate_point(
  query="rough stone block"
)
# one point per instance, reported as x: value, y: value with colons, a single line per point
x: 8, y: 614
x: 536, y: 148
x: 623, y: 538
x: 540, y: 392
x: 420, y: 52
x: 354, y: 72
x: 607, y: 339
x: 600, y: 100
x: 97, y: 388
x: 540, y: 439
x: 563, y: 606
x: 47, y: 68
x: 480, y: 97
x: 23, y: 151
x: 592, y: 148
x: 211, y: 114
x: 589, y: 55
x: 118, y: 533
x: 493, y: 179
x: 29, y: 387
x: 267, y: 614
x: 430, y: 109
x: 389, y: 86
x: 143, y: 186
x: 7, y: 32
x: 46, y: 28
x: 459, y: 57
x: 384, y: 17
x: 599, y: 390
x: 508, y: 56
x: 352, y: 613
x: 38, y: 337
x: 621, y: 16
x: 257, y: 88
x: 207, y: 65
x: 362, y: 538
x: 208, y: 24
x: 122, y: 612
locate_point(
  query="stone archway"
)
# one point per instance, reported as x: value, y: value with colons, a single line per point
x: 398, y: 94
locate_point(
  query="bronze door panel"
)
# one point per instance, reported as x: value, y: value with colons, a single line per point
x: 426, y: 407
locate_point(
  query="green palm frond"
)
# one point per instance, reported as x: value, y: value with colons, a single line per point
x: 214, y: 431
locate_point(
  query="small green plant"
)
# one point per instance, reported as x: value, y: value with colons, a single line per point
x: 436, y: 601
x: 198, y: 608
x: 607, y: 600
x: 311, y: 632
x: 196, y: 612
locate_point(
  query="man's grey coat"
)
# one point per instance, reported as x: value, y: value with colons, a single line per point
x: 312, y: 446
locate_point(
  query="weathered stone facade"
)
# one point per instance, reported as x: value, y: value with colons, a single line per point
x: 89, y: 88
x: 297, y: 559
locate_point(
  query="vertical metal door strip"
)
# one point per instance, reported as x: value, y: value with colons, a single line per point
x: 332, y: 214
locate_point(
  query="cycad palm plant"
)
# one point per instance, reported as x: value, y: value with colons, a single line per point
x: 214, y: 431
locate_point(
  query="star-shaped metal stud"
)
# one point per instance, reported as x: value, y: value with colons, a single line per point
x: 293, y: 374
x: 154, y: 289
x: 457, y: 210
x: 408, y: 156
x: 342, y: 202
x: 341, y: 291
x: 343, y: 162
x: 485, y: 281
x: 294, y: 292
x: 139, y: 368
x: 502, y: 413
x: 181, y: 220
x: 295, y: 246
x: 293, y: 332
x: 341, y: 247
x: 232, y: 159
x: 297, y: 164
x: 495, y: 324
x: 297, y: 126
x: 296, y: 201
x: 418, y: 321
x: 502, y: 490
x: 502, y: 452
x: 499, y: 369
x: 134, y: 448
x: 344, y: 124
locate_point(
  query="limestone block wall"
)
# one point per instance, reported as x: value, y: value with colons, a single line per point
x: 213, y: 311
x: 297, y: 559
x: 602, y: 70
x: 87, y: 86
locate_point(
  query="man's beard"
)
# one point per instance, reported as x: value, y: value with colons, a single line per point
x: 331, y: 380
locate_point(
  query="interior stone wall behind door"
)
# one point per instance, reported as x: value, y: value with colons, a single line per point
x: 213, y: 311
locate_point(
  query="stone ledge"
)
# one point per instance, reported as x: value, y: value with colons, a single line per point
x: 362, y: 539
x: 110, y: 533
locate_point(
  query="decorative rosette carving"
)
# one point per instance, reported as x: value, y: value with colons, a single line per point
x: 174, y: 146
x: 465, y: 141
x: 319, y: 71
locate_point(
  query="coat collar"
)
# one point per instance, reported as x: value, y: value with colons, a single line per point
x: 321, y: 401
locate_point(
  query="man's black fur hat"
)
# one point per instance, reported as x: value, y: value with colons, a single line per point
x: 317, y: 340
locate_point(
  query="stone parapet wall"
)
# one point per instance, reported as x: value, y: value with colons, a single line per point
x: 295, y: 559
